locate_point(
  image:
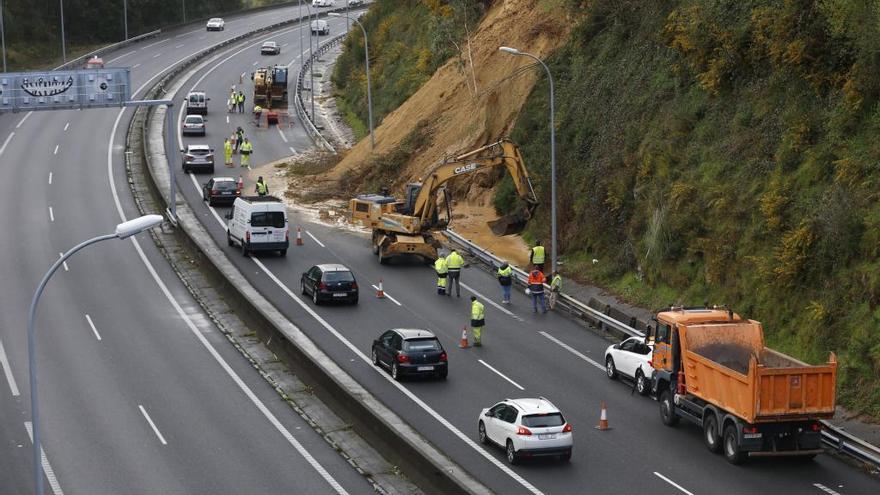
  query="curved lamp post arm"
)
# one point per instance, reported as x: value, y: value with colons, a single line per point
x: 367, y: 62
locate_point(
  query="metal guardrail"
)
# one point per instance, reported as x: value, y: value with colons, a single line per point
x: 79, y: 61
x: 835, y: 438
x: 304, y: 117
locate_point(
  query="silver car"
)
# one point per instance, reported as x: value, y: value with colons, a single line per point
x: 198, y: 157
x: 270, y: 48
x: 194, y: 124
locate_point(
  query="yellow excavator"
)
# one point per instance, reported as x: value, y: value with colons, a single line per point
x: 406, y: 226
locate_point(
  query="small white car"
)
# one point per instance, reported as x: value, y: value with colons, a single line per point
x: 526, y: 428
x: 631, y: 359
x: 322, y: 3
x: 270, y: 48
x: 193, y: 124
x: 320, y: 27
x: 216, y: 24
x: 355, y: 3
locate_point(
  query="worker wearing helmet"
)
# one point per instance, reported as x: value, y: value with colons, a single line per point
x: 442, y: 271
x: 454, y: 263
x: 262, y: 189
x: 246, y: 149
x: 505, y: 278
x: 537, y: 256
x: 478, y: 321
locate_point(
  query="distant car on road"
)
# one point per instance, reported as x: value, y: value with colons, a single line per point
x: 355, y: 3
x: 632, y: 360
x: 329, y: 282
x: 408, y: 352
x: 198, y: 157
x: 197, y: 103
x: 220, y: 190
x: 194, y: 124
x: 95, y: 63
x: 320, y: 27
x: 270, y: 48
x: 216, y: 24
x: 526, y: 428
x: 322, y: 3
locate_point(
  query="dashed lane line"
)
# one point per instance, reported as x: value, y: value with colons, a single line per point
x: 664, y: 478
x: 56, y: 149
x: 61, y: 255
x: 291, y: 149
x: 7, y: 370
x: 155, y: 43
x: 20, y: 122
x: 50, y: 178
x: 51, y: 214
x: 135, y: 66
x: 123, y: 55
x: 493, y: 303
x: 502, y: 375
x: 825, y: 489
x: 92, y: 326
x: 6, y: 142
x: 395, y: 301
x: 66, y: 126
x: 152, y: 425
x: 44, y: 461
x: 315, y: 239
x: 573, y: 350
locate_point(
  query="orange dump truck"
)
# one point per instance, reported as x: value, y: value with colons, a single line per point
x: 711, y: 368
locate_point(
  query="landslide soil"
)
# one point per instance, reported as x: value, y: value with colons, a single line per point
x: 460, y: 117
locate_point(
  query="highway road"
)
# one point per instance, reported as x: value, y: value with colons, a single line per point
x: 524, y: 355
x: 139, y: 391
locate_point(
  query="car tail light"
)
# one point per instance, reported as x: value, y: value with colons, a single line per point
x: 750, y: 429
x: 322, y: 286
x: 443, y: 357
x: 651, y: 363
x: 354, y: 285
x: 402, y: 358
x: 247, y: 237
x: 816, y: 426
x: 522, y: 430
x: 189, y: 157
x: 286, y: 232
x: 209, y: 156
x: 567, y: 428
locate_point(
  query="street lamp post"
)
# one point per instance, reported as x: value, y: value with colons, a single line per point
x: 2, y: 35
x: 63, y: 48
x: 367, y: 61
x: 125, y: 16
x: 514, y: 51
x: 123, y: 230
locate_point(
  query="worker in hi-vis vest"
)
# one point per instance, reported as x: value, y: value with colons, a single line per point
x: 478, y: 320
x: 536, y: 255
x: 442, y: 271
x: 454, y: 262
x: 505, y: 278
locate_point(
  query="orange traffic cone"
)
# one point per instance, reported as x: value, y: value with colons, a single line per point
x: 463, y: 343
x: 240, y: 184
x: 603, y: 419
x: 379, y: 292
x: 299, y: 236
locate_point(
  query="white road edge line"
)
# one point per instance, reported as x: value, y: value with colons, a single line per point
x: 61, y: 255
x: 664, y: 478
x: 152, y: 425
x: 51, y: 215
x: 20, y: 122
x: 825, y: 489
x: 47, y: 468
x: 5, y: 143
x: 92, y: 325
x: 315, y: 239
x: 572, y: 350
x: 199, y: 336
x: 395, y: 301
x: 490, y: 301
x: 7, y: 370
x: 517, y: 385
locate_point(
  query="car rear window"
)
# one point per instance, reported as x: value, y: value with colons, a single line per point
x: 225, y: 185
x: 338, y: 276
x: 267, y: 219
x: 421, y: 345
x: 193, y: 120
x: 198, y: 151
x: 543, y: 420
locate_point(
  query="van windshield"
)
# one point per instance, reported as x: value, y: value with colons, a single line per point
x: 268, y: 219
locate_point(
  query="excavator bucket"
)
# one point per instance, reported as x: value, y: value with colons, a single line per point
x: 513, y: 223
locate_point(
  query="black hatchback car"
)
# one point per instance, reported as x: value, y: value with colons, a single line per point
x: 329, y: 283
x: 220, y: 190
x: 410, y: 352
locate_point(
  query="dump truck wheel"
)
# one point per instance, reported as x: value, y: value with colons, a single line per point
x: 731, y: 445
x: 710, y: 433
x: 667, y: 409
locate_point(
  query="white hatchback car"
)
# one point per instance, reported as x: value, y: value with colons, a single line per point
x: 215, y: 24
x: 526, y: 428
x: 631, y: 359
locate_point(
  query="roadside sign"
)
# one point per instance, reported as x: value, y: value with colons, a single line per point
x: 66, y: 89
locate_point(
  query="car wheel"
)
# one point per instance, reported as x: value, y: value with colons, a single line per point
x: 642, y: 383
x: 315, y: 297
x: 511, y: 453
x: 395, y: 371
x: 484, y: 439
x: 354, y: 301
x: 186, y: 168
x: 667, y: 409
x: 374, y: 356
x: 302, y: 287
x: 710, y: 432
x: 566, y: 457
x: 610, y: 370
x: 731, y: 445
x: 210, y: 201
x: 228, y: 238
x: 282, y: 252
x: 443, y: 374
x: 244, y: 249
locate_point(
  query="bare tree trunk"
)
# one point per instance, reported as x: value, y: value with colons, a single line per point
x: 470, y: 55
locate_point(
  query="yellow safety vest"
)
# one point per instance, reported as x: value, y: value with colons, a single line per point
x: 454, y: 261
x: 262, y: 188
x: 247, y: 147
x: 556, y: 284
x: 440, y: 266
x: 478, y: 311
x: 538, y: 255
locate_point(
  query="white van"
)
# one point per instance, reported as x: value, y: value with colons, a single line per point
x: 258, y: 223
x: 320, y: 27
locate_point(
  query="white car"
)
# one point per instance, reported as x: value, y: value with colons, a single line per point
x: 526, y: 428
x: 216, y: 24
x: 320, y: 27
x: 355, y: 3
x: 193, y: 124
x: 258, y: 223
x: 322, y: 3
x: 631, y: 359
x: 270, y: 48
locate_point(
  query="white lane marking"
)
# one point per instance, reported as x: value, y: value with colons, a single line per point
x: 315, y: 239
x: 152, y: 425
x: 291, y: 149
x: 283, y: 137
x: 61, y: 255
x: 285, y: 44
x: 257, y: 62
x: 180, y: 45
x: 50, y: 178
x: 7, y: 370
x: 825, y: 489
x: 92, y: 325
x: 296, y: 58
x: 484, y: 363
x: 664, y: 478
x: 155, y: 43
x: 227, y: 119
x: 8, y: 138
x: 572, y: 350
x: 51, y: 214
x: 23, y: 119
x: 202, y: 37
x: 395, y: 301
x: 201, y: 338
x: 56, y: 150
x: 493, y: 303
x: 188, y: 33
x: 123, y: 55
x: 157, y: 55
x: 412, y: 396
x: 66, y: 126
x: 44, y: 461
x: 135, y: 66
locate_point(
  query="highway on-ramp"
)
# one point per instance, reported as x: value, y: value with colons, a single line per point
x: 139, y: 391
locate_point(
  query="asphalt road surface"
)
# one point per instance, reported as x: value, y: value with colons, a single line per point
x: 139, y: 391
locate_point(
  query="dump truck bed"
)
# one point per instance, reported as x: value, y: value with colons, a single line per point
x: 726, y: 364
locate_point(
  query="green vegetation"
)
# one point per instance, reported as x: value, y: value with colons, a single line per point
x: 725, y: 152
x: 409, y: 40
x: 386, y: 168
